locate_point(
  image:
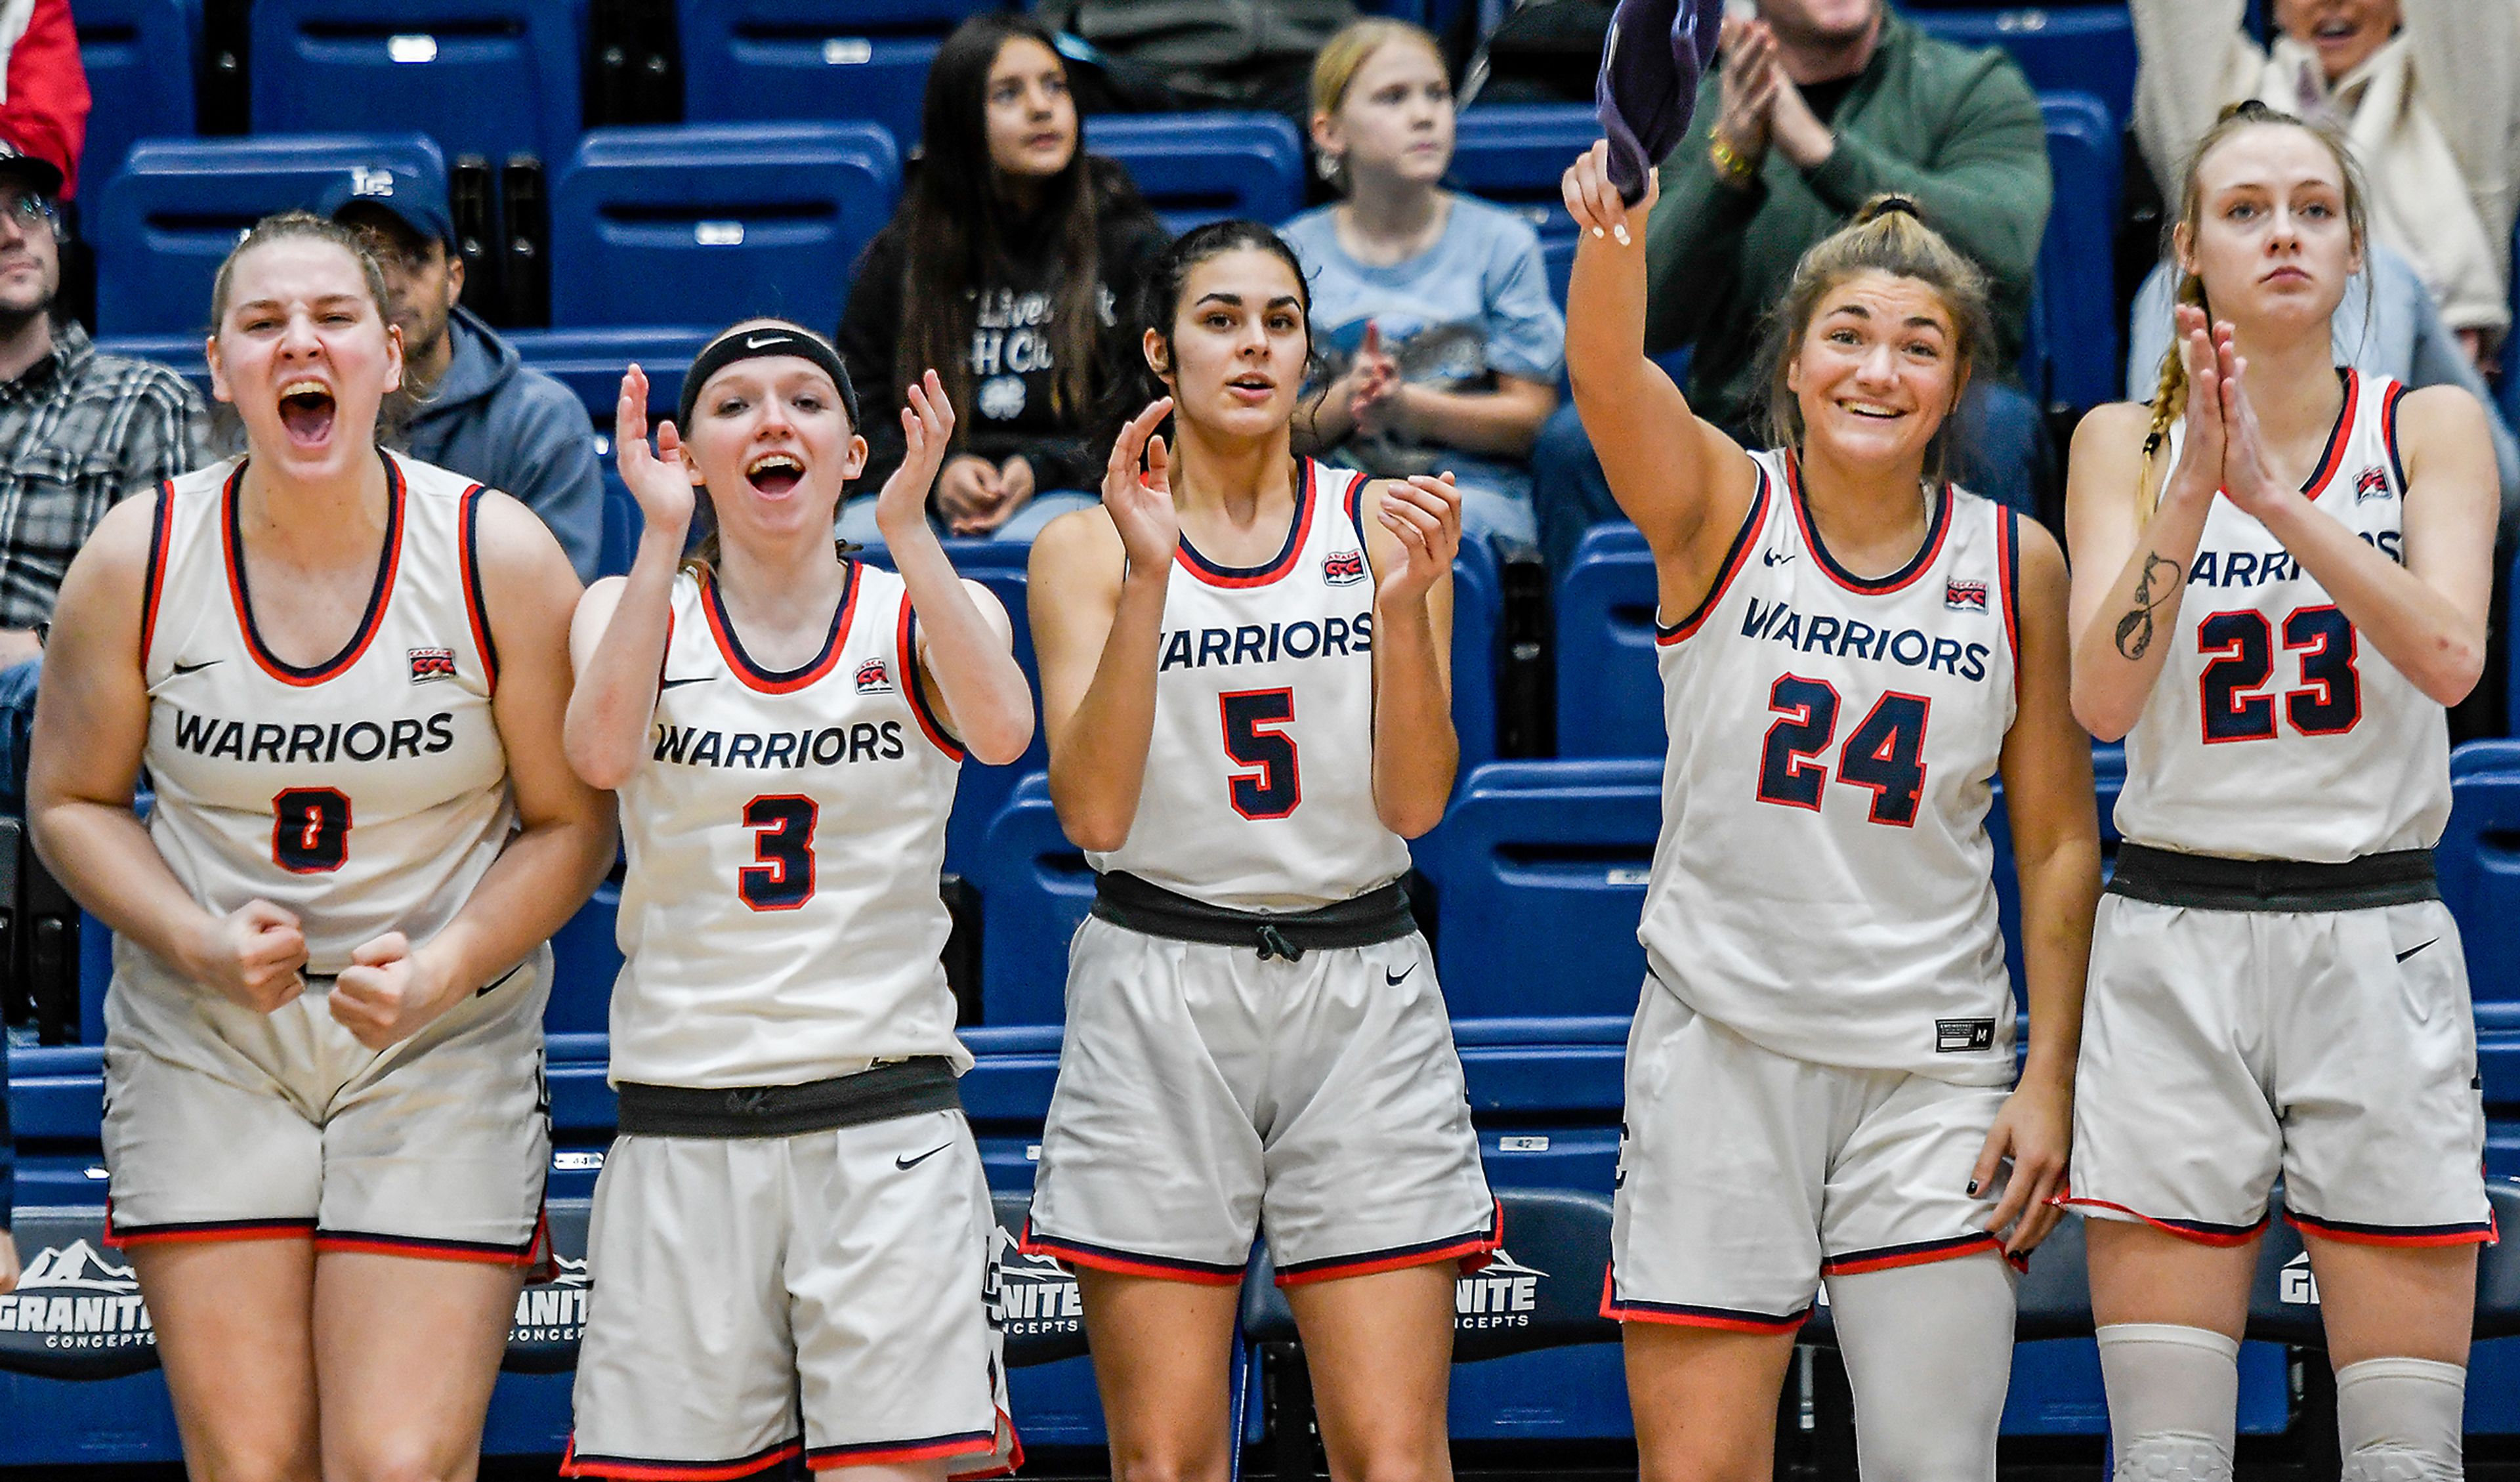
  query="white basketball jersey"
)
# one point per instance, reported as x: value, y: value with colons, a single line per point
x: 366, y: 793
x: 1259, y: 789
x: 1823, y: 883
x: 2273, y: 731
x: 780, y: 918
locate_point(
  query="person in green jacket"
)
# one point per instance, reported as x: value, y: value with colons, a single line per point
x: 1811, y: 107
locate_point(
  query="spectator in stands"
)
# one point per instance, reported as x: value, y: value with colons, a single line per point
x: 78, y: 432
x: 1201, y: 54
x: 1005, y: 271
x: 44, y: 102
x: 476, y: 408
x: 1814, y: 105
x: 1432, y: 308
x: 2427, y: 91
x: 2387, y: 328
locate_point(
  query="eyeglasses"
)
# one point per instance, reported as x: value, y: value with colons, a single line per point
x: 32, y: 213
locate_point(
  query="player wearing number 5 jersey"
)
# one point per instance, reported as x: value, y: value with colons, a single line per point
x: 345, y: 671
x: 1821, y: 1083
x: 1244, y: 676
x: 2281, y: 579
x: 790, y: 1239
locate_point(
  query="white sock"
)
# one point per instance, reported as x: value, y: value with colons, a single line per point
x: 2399, y: 1419
x: 2174, y: 1401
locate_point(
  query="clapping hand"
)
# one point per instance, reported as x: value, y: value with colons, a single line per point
x: 660, y: 480
x: 1424, y: 510
x: 1137, y: 492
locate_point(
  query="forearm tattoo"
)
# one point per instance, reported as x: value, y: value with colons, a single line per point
x: 2135, y: 630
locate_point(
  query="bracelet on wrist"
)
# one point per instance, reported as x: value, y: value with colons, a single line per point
x: 1731, y: 167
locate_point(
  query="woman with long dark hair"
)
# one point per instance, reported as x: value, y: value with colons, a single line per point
x: 1005, y: 269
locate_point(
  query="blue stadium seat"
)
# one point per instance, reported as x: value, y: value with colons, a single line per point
x: 2078, y: 313
x: 708, y: 223
x: 1035, y: 890
x: 495, y: 77
x: 139, y: 57
x: 586, y: 958
x: 758, y: 60
x: 1539, y: 873
x: 1609, y: 698
x: 2478, y: 860
x: 1200, y: 167
x: 2089, y: 48
x: 1513, y: 152
x: 590, y: 361
x: 1558, y: 255
x: 182, y: 353
x: 166, y: 222
x: 2108, y: 779
x: 1479, y: 611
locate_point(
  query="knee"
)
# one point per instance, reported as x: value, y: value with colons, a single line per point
x: 230, y: 1464
x: 399, y: 1458
x: 1167, y: 1465
x: 1929, y: 1453
x: 1743, y: 1463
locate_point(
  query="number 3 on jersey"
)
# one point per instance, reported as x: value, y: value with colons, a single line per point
x: 1885, y: 753
x: 783, y: 842
x: 1274, y: 790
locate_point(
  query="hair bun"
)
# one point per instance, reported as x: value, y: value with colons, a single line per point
x: 1880, y: 207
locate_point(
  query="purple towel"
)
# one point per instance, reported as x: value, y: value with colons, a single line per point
x: 1647, y: 92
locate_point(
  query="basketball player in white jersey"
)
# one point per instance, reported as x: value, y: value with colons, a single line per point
x: 2282, y: 572
x: 1821, y: 1083
x: 790, y: 1239
x: 345, y: 672
x: 1243, y: 677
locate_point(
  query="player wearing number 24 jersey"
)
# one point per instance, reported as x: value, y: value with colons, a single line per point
x: 791, y: 1241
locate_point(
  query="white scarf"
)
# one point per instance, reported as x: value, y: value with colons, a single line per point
x: 2420, y: 198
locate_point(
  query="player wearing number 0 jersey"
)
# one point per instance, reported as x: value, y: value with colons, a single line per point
x: 2282, y: 577
x: 1243, y: 685
x: 1821, y: 1082
x: 790, y: 1239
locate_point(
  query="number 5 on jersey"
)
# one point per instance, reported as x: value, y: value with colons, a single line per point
x: 1274, y: 790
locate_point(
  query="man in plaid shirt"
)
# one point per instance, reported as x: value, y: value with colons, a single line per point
x: 78, y: 432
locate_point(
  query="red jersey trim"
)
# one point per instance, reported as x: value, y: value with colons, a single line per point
x: 203, y: 1231
x: 1744, y: 541
x: 906, y: 655
x: 635, y: 1470
x: 1689, y: 1315
x: 152, y: 587
x: 1127, y: 1263
x: 1921, y: 1253
x: 2008, y: 567
x: 1463, y: 1248
x: 1882, y: 585
x: 2198, y: 1231
x: 2333, y: 455
x: 2486, y: 1232
x: 419, y: 1249
x: 897, y: 1453
x: 779, y: 682
x: 378, y: 596
x: 473, y: 608
x: 2389, y: 400
x: 1284, y: 562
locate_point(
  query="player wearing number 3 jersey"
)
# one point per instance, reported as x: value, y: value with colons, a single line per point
x: 790, y: 1239
x: 1244, y: 674
x: 1821, y: 1083
x: 344, y: 672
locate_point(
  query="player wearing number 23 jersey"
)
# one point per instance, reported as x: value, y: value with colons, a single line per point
x: 366, y: 795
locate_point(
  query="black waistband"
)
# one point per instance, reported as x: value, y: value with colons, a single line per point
x: 904, y: 1088
x: 1377, y: 916
x: 2168, y: 878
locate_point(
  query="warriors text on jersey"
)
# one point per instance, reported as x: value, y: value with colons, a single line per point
x: 1259, y: 787
x: 1822, y: 881
x: 780, y: 918
x: 365, y: 793
x: 2273, y: 731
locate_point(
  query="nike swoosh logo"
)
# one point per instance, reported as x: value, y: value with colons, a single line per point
x: 1391, y: 979
x: 1775, y: 558
x: 192, y: 668
x: 2411, y: 950
x: 906, y: 1162
x: 696, y: 679
x: 756, y: 342
x: 499, y: 981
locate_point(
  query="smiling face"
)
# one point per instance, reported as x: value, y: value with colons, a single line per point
x: 2268, y: 230
x: 2343, y: 32
x: 304, y: 354
x: 1238, y: 345
x: 1031, y: 121
x: 774, y: 447
x: 1395, y: 121
x: 1877, y: 369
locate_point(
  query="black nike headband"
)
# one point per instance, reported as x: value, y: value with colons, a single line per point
x: 753, y: 343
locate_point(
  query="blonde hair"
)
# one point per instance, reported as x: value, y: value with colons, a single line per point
x: 2170, y: 392
x: 1888, y: 235
x: 1343, y: 56
x: 227, y: 427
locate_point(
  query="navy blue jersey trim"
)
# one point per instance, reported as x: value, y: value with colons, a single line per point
x: 1733, y: 560
x: 474, y: 604
x: 1938, y: 527
x: 1301, y: 523
x: 389, y: 561
x: 2389, y: 400
x: 782, y: 681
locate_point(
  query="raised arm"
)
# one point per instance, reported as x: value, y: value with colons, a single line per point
x: 1415, y: 533
x: 618, y: 638
x: 1685, y: 484
x: 2133, y: 551
x: 91, y: 728
x: 1098, y: 585
x: 564, y: 832
x: 966, y: 651
x: 2191, y: 58
x: 2047, y: 770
